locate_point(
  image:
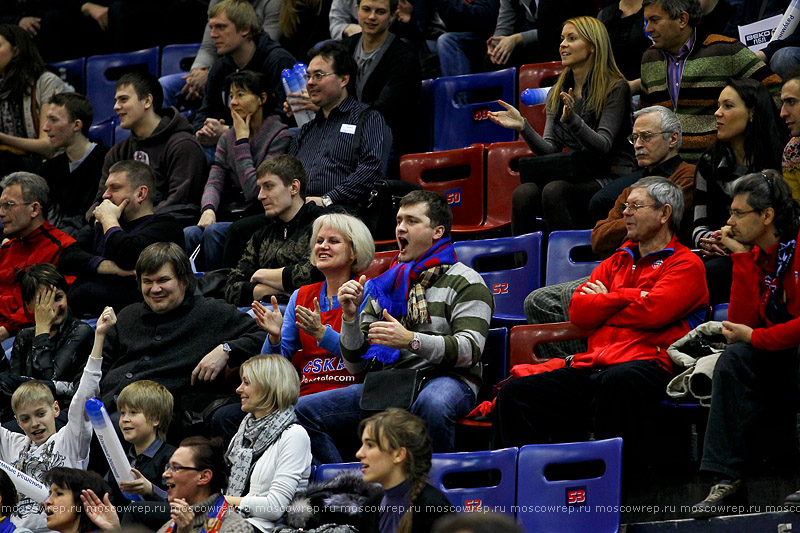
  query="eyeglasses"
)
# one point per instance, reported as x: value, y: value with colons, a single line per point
x: 737, y: 214
x: 8, y: 206
x: 645, y: 136
x: 634, y: 207
x: 317, y: 76
x: 177, y: 468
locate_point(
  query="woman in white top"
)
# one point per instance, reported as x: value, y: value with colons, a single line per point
x: 270, y: 455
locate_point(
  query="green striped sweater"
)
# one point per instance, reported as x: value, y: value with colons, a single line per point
x: 705, y: 72
x: 460, y: 307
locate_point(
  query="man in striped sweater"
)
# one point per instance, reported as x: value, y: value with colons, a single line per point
x: 686, y: 69
x: 427, y: 310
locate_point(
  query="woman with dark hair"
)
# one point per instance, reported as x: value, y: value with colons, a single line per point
x: 63, y: 507
x: 589, y: 113
x: 25, y: 89
x: 750, y: 136
x: 8, y: 504
x: 54, y: 350
x: 396, y: 453
x: 195, y: 477
x: 231, y: 191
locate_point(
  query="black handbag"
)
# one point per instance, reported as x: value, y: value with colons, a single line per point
x: 397, y: 386
x: 379, y: 211
x: 575, y: 167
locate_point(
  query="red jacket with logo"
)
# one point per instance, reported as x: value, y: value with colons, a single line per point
x: 749, y: 296
x: 631, y: 326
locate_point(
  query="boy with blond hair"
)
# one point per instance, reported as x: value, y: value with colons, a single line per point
x: 145, y: 409
x: 42, y: 447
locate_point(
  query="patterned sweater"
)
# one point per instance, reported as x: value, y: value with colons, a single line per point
x: 277, y: 245
x: 713, y: 183
x: 68, y: 447
x: 236, y: 161
x: 461, y: 308
x: 705, y: 73
x: 791, y: 166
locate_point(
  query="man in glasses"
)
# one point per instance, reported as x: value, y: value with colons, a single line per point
x: 27, y: 239
x: 686, y: 68
x: 755, y: 379
x: 656, y: 138
x: 346, y: 147
x: 647, y: 295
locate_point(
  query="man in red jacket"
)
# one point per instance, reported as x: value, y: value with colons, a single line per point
x: 755, y: 378
x: 27, y: 238
x: 640, y: 300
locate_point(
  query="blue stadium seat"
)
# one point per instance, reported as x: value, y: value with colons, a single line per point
x: 100, y: 88
x: 457, y: 124
x: 499, y: 496
x: 720, y: 312
x: 7, y: 345
x: 560, y: 265
x: 509, y: 286
x: 328, y: 471
x: 177, y: 58
x: 120, y: 133
x: 72, y: 71
x: 102, y: 132
x: 546, y: 502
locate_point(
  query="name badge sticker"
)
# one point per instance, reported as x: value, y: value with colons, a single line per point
x: 348, y: 128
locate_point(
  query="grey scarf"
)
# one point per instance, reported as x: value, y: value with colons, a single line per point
x: 253, y: 437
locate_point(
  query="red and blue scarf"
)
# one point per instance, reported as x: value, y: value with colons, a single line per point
x: 391, y: 288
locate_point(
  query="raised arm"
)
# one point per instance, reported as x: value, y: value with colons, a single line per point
x: 616, y: 113
x: 78, y: 428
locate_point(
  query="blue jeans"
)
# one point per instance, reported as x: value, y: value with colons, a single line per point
x: 226, y: 421
x: 171, y: 85
x: 213, y: 239
x: 784, y: 59
x: 455, y: 49
x: 332, y: 416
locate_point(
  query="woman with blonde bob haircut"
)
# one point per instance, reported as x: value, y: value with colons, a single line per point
x: 341, y: 247
x: 588, y: 110
x: 270, y: 455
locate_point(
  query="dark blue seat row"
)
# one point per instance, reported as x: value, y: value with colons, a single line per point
x: 522, y: 484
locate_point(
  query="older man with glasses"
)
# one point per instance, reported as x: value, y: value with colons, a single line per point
x: 639, y: 301
x: 27, y: 239
x: 656, y: 138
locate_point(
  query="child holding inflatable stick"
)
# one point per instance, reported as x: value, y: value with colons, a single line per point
x: 42, y: 447
x: 145, y: 409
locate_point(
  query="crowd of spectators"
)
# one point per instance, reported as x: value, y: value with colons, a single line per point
x: 683, y: 155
